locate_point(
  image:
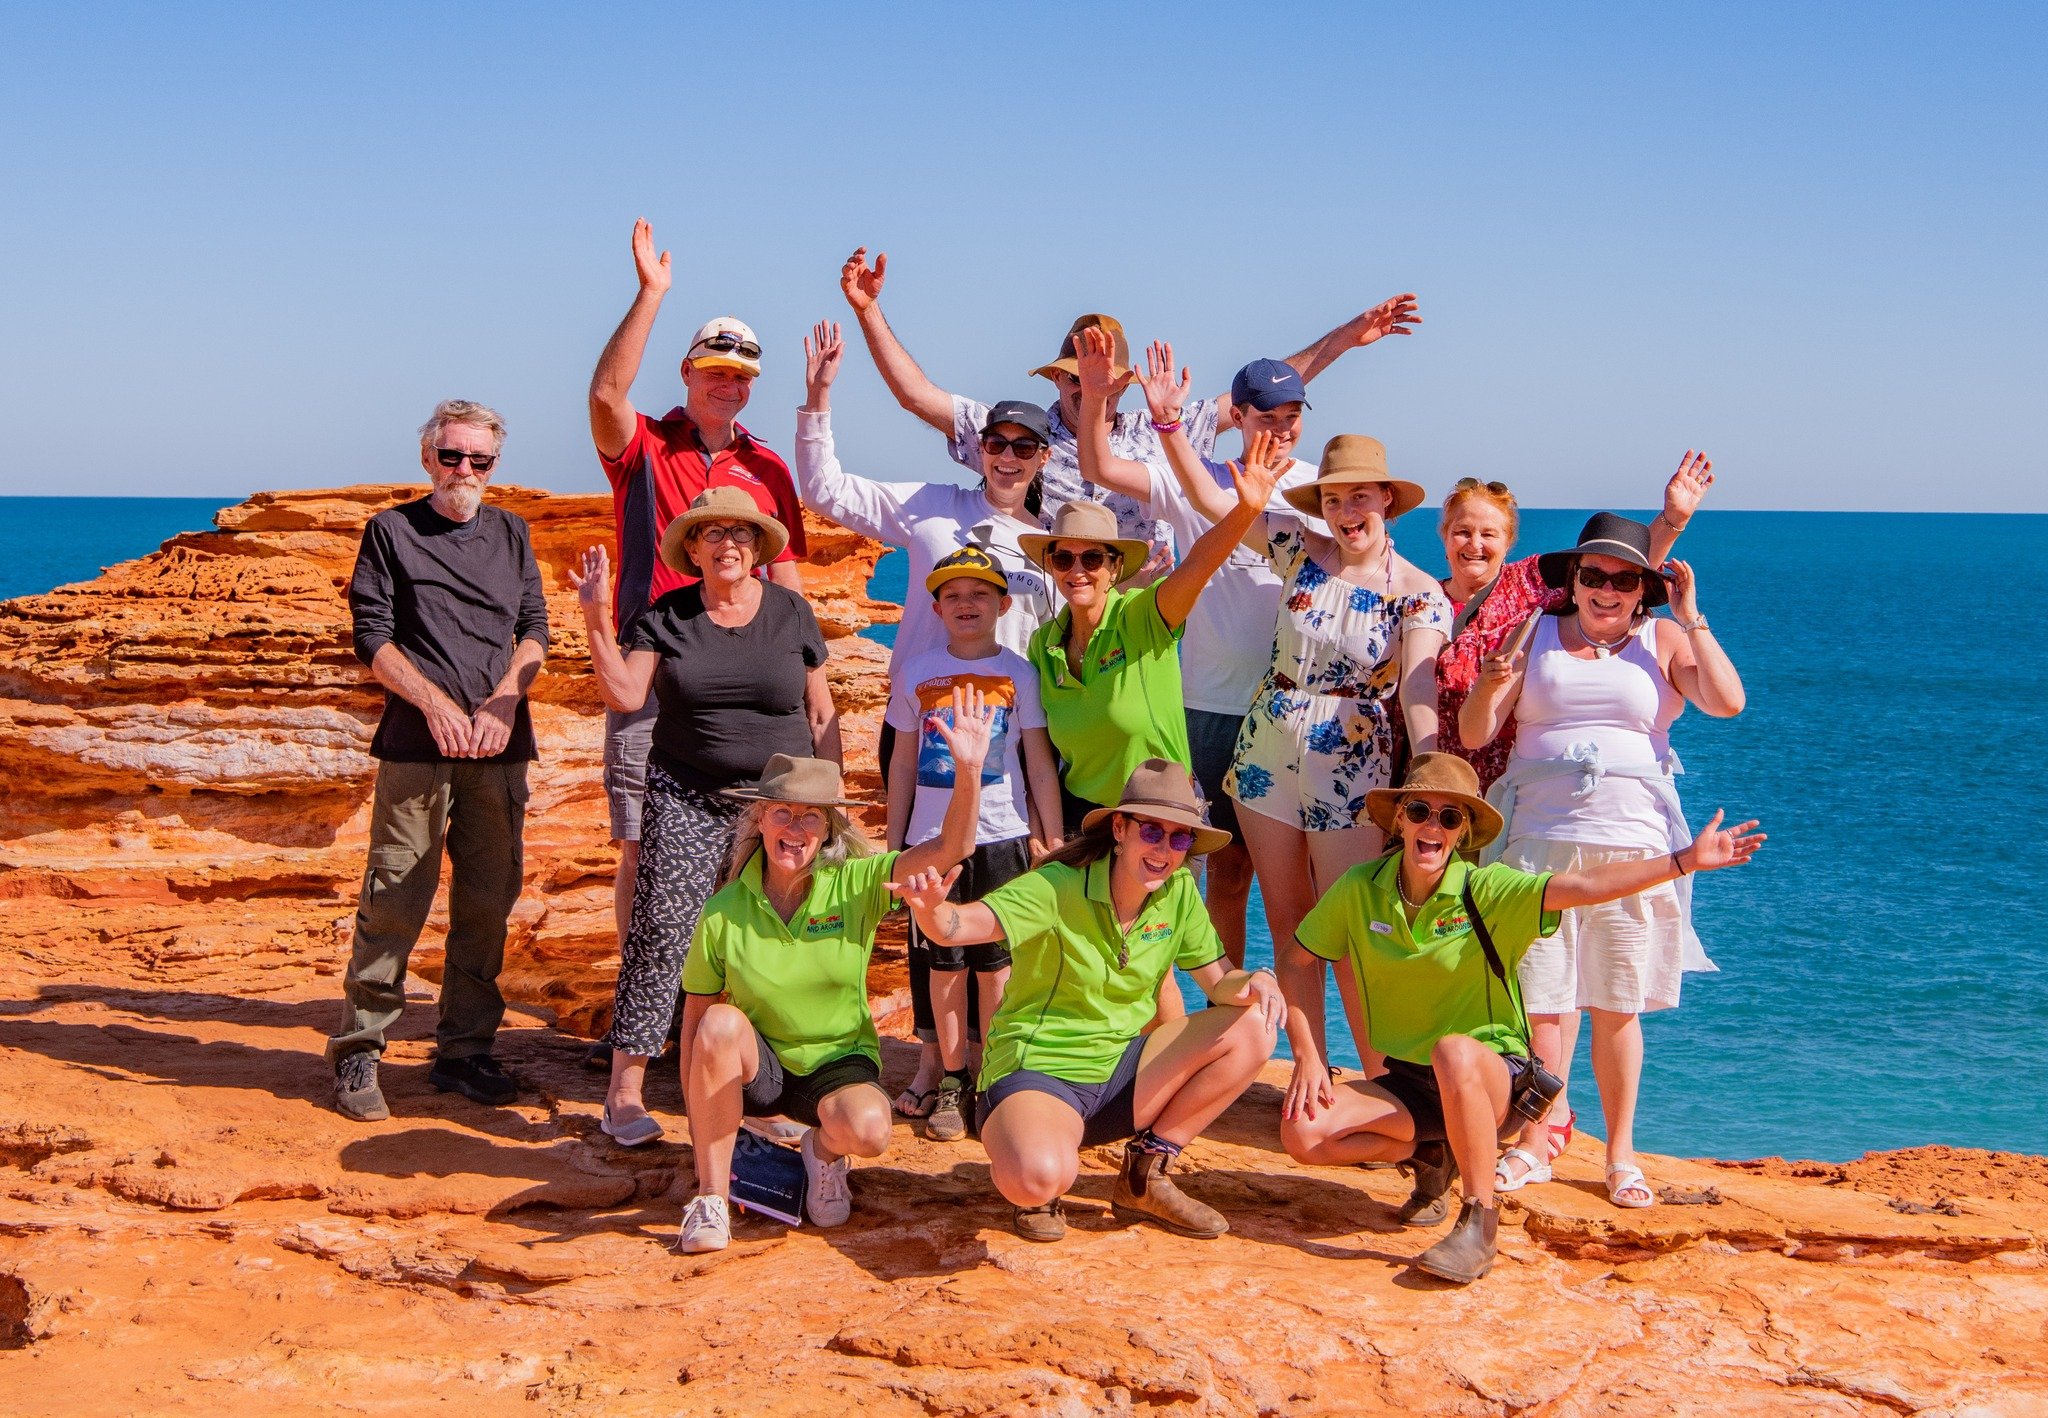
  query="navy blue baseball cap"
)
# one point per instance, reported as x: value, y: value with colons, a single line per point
x: 1267, y: 384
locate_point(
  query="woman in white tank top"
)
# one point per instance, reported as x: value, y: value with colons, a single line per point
x: 1595, y: 688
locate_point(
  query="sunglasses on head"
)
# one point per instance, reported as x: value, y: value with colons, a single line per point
x: 1419, y: 812
x: 727, y: 343
x: 453, y: 457
x: 1153, y: 833
x: 741, y: 535
x: 1093, y: 559
x: 1593, y: 578
x: 1026, y: 447
x: 1498, y: 489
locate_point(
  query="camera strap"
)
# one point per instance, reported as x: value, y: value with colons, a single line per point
x: 1493, y: 963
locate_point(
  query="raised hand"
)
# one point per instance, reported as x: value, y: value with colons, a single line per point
x: 973, y: 727
x: 1158, y: 561
x: 924, y: 891
x: 654, y: 274
x: 1392, y: 316
x: 1685, y: 591
x: 1093, y: 356
x: 1719, y: 846
x: 1687, y: 487
x: 1165, y: 395
x: 1256, y: 475
x: 822, y: 351
x: 860, y: 282
x: 593, y: 585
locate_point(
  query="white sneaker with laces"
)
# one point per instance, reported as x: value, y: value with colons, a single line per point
x: 827, y: 1200
x: 707, y: 1225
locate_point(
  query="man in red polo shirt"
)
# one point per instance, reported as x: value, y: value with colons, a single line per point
x: 657, y: 467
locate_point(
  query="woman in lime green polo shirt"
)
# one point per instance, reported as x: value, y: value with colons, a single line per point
x: 786, y: 940
x: 1093, y: 933
x: 1416, y: 926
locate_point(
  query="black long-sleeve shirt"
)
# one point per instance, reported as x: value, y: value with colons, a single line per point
x: 457, y: 598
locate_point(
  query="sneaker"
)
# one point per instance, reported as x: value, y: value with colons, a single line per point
x: 635, y: 1132
x: 945, y: 1123
x: 828, y: 1201
x: 1041, y: 1223
x: 707, y: 1225
x: 356, y: 1094
x: 476, y: 1077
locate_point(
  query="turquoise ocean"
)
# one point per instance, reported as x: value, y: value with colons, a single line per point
x: 1884, y: 962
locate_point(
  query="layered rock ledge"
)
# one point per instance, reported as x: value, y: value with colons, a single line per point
x: 186, y: 1225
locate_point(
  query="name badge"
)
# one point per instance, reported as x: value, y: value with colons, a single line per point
x: 1382, y: 928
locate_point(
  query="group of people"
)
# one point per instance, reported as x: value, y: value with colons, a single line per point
x: 1122, y: 660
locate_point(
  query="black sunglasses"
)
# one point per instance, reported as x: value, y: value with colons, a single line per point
x: 1026, y: 447
x: 1093, y: 559
x: 727, y: 343
x: 452, y: 458
x: 1593, y: 578
x: 1419, y: 812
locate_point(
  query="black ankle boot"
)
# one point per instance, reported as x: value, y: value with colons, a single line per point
x: 1433, y: 1169
x: 1467, y: 1253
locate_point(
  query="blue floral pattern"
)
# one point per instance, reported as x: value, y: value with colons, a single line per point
x: 1309, y: 753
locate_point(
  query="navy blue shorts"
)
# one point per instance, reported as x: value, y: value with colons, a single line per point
x: 1212, y: 744
x: 1105, y: 1108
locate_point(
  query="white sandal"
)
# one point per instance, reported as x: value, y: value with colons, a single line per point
x: 1535, y: 1170
x: 1625, y: 1177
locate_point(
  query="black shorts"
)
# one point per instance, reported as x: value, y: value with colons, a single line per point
x: 1073, y: 809
x: 1212, y: 745
x: 989, y: 866
x: 776, y: 1092
x: 1413, y: 1086
x: 1105, y: 1108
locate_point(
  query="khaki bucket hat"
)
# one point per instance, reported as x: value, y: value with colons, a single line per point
x: 1353, y: 458
x: 1165, y: 792
x: 813, y: 782
x: 1119, y: 353
x: 1446, y: 775
x: 722, y: 504
x: 1084, y: 520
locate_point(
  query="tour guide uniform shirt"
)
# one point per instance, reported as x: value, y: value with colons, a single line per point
x: 1075, y: 998
x: 1126, y: 705
x: 657, y: 475
x: 1422, y: 984
x: 457, y: 598
x: 802, y: 982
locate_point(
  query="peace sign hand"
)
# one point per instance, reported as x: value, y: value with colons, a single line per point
x: 860, y: 282
x: 1256, y: 475
x: 1682, y: 495
x: 1164, y: 395
x: 969, y: 735
x: 654, y: 274
x: 1718, y: 847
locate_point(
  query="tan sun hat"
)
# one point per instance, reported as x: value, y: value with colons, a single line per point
x: 1353, y: 458
x: 722, y: 504
x: 811, y: 782
x: 1165, y: 791
x: 1085, y: 520
x: 1119, y: 351
x: 1448, y: 776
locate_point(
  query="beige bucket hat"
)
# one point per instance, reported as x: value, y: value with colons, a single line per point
x: 813, y: 782
x: 1083, y: 520
x: 1165, y: 791
x: 722, y: 504
x: 1353, y: 458
x: 1446, y: 775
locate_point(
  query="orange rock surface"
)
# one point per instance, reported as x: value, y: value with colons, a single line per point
x: 185, y: 1225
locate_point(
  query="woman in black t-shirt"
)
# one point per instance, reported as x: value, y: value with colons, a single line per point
x: 737, y: 667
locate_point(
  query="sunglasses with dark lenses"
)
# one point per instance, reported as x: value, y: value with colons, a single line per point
x: 1093, y: 559
x: 1419, y: 812
x: 1025, y: 447
x: 1498, y: 489
x: 452, y: 458
x: 1153, y: 833
x: 725, y: 343
x: 1593, y: 578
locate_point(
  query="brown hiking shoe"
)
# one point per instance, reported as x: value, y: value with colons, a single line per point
x: 1467, y: 1253
x: 1041, y: 1223
x: 1143, y: 1191
x: 1433, y: 1169
x: 945, y: 1123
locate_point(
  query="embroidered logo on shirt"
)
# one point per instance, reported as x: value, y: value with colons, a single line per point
x: 1110, y: 661
x: 1155, y: 933
x: 824, y: 925
x: 1382, y: 928
x: 1456, y: 921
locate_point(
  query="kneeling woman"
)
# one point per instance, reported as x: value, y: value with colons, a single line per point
x: 1093, y: 933
x: 786, y: 941
x: 1418, y: 927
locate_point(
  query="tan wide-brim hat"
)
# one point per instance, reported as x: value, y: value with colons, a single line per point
x: 1119, y: 352
x: 1353, y: 458
x: 1165, y: 792
x: 722, y: 504
x: 810, y: 782
x: 1446, y: 775
x: 1084, y: 520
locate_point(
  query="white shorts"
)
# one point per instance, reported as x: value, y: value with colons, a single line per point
x: 1626, y: 956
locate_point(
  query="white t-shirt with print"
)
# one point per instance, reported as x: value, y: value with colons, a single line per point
x: 921, y: 688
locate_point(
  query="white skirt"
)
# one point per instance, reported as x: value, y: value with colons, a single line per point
x: 1625, y: 956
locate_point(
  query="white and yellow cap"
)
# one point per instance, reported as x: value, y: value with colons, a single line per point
x: 726, y: 343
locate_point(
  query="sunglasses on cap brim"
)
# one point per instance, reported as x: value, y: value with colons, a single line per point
x: 728, y: 344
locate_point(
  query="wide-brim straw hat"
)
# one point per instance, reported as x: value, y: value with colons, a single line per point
x: 1446, y: 775
x: 1608, y: 534
x: 1069, y: 364
x: 722, y: 504
x: 1083, y: 520
x: 1353, y: 458
x: 1165, y: 792
x: 813, y: 782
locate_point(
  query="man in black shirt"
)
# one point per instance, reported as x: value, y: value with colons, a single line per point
x: 450, y: 617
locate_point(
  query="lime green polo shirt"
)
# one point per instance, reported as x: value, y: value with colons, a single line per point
x: 803, y: 982
x: 1425, y: 982
x: 1070, y: 1007
x: 1125, y: 707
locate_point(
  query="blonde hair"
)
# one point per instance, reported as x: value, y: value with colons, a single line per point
x: 1493, y: 494
x: 466, y: 412
x: 843, y: 841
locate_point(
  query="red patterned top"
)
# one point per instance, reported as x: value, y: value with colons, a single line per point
x: 1518, y: 594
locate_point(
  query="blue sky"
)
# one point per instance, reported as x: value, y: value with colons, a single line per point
x: 249, y: 248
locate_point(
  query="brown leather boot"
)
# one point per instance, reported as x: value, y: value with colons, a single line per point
x: 1143, y: 1191
x: 1434, y: 1170
x: 1467, y: 1253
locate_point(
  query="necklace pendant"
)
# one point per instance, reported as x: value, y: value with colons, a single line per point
x: 1601, y: 652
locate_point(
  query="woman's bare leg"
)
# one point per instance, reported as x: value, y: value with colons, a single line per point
x: 724, y: 1059
x: 1331, y: 854
x: 1472, y: 1081
x: 1193, y: 1069
x: 852, y: 1122
x: 1034, y: 1148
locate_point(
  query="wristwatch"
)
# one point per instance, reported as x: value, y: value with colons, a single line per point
x: 1689, y: 626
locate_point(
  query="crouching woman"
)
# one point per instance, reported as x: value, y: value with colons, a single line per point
x: 1093, y: 933
x: 1416, y: 926
x: 785, y: 942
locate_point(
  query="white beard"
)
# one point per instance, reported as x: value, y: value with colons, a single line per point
x: 458, y: 504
